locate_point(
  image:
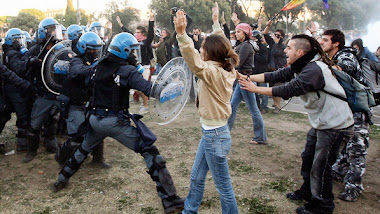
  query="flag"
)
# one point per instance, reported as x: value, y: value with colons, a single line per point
x: 293, y: 4
x: 326, y: 3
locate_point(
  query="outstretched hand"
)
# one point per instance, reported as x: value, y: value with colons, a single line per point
x: 312, y: 28
x: 222, y: 19
x: 248, y: 85
x: 215, y: 13
x: 180, y: 22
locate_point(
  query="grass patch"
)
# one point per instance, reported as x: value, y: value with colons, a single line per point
x: 281, y: 185
x: 240, y: 166
x: 374, y: 133
x: 182, y: 168
x: 257, y: 206
x: 148, y: 210
x: 124, y: 201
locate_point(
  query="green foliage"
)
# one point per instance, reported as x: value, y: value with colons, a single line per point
x: 38, y: 13
x: 127, y: 15
x: 70, y: 16
x: 199, y: 11
x: 4, y: 21
x: 24, y: 21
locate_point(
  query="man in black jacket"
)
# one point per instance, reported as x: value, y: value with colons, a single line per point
x: 9, y: 77
x: 277, y: 57
x: 261, y: 66
x: 14, y: 48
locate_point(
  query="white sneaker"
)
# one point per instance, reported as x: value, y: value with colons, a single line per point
x: 143, y: 110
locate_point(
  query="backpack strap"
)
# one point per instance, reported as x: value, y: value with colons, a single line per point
x: 334, y: 95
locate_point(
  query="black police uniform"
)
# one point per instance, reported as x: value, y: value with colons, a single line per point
x: 79, y: 94
x: 13, y: 95
x: 9, y: 77
x: 45, y: 110
x: 112, y: 83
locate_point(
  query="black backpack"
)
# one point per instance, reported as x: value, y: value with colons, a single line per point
x: 371, y: 75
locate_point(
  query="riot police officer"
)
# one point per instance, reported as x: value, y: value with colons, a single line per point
x: 14, y: 48
x: 45, y: 110
x: 29, y: 42
x: 97, y: 28
x: 115, y: 75
x: 89, y: 48
x: 9, y: 76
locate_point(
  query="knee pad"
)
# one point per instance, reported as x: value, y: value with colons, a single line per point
x: 159, y: 172
x: 74, y: 162
x: 65, y: 151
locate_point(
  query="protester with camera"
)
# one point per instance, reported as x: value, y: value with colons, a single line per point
x: 277, y: 57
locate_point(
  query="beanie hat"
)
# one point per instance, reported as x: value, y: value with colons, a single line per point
x: 245, y: 28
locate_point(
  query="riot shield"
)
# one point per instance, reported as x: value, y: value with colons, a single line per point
x: 170, y: 91
x: 55, y: 66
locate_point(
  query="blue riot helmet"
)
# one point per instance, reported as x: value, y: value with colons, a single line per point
x: 34, y: 37
x: 74, y: 32
x: 49, y: 27
x: 90, y: 46
x: 63, y: 32
x: 15, y: 38
x: 97, y: 28
x: 27, y: 37
x: 124, y: 44
x: 85, y: 28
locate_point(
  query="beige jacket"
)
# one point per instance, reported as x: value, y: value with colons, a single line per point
x: 214, y: 84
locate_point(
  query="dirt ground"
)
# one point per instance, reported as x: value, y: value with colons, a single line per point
x: 261, y: 174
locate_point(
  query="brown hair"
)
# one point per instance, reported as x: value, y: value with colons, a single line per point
x: 142, y: 29
x: 218, y: 48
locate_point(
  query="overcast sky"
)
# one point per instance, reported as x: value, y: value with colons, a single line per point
x: 12, y: 8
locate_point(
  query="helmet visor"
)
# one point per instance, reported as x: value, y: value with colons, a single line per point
x: 19, y: 40
x: 99, y: 31
x: 93, y: 53
x: 136, y: 51
x: 54, y: 30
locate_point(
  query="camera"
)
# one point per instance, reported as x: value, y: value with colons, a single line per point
x: 174, y: 10
x: 254, y: 26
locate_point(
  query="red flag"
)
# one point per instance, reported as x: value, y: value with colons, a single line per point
x: 293, y: 4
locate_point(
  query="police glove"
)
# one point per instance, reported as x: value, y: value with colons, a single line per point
x: 35, y: 62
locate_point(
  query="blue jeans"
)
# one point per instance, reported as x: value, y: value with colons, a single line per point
x: 260, y: 134
x: 158, y: 69
x: 318, y: 156
x: 212, y: 155
x: 263, y: 98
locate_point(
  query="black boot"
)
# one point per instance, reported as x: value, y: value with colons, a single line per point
x: 22, y: 144
x: 29, y: 156
x: 173, y: 204
x: 58, y: 186
x: 51, y: 145
x: 33, y: 144
x: 98, y: 156
x: 2, y: 148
